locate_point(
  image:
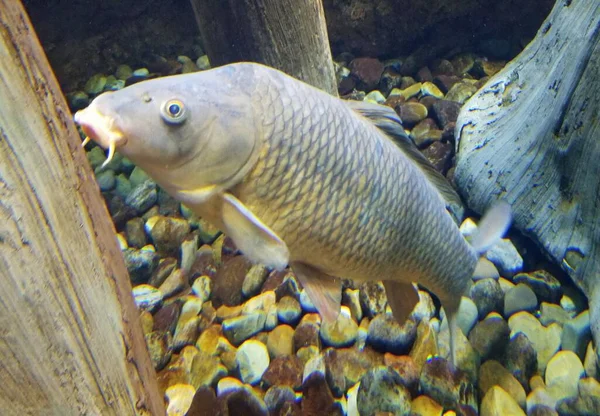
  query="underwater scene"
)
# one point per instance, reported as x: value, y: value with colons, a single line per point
x: 348, y: 207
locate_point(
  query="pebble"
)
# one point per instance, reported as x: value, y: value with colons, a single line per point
x: 463, y: 63
x: 390, y: 79
x: 306, y: 333
x: 95, y: 84
x: 122, y: 186
x: 260, y: 302
x: 429, y: 88
x: 375, y: 97
x: 425, y: 406
x: 411, y: 113
x: 203, y: 63
x: 425, y: 308
x: 586, y: 403
x: 141, y: 72
x: 446, y: 82
x: 521, y: 358
x: 167, y: 233
x: 387, y: 335
x: 206, y: 370
x: 138, y: 177
x: 352, y: 396
x: 506, y: 258
x: 254, y: 280
x: 113, y: 84
x: 439, y: 381
x: 280, y: 341
x: 439, y: 155
x: 490, y: 336
x: 252, y: 358
x: 381, y: 390
x: 546, y: 287
x: 284, y: 371
x: 563, y: 373
x: 351, y: 298
x: 425, y: 345
x: 78, y: 100
x: 228, y: 385
x: 180, y: 398
x: 497, y: 402
x: 425, y: 133
x: 424, y: 74
x: 467, y: 358
x: 289, y: 310
x: 406, y: 368
x: 485, y: 270
x: 174, y: 283
x: 461, y: 92
x: 409, y: 90
x: 542, y: 410
x: 136, y: 235
x: 577, y: 334
x: 276, y: 396
x: 367, y: 70
x: 186, y: 331
x: 492, y: 373
x: 340, y: 333
x: 317, y: 398
x: 550, y: 313
x: 142, y: 197
x: 271, y: 321
x: 505, y: 285
x: 245, y: 401
x: 467, y: 315
x: 488, y: 296
x: 188, y: 250
x: 147, y: 297
x: 240, y: 328
x: 539, y: 397
x: 519, y: 298
x: 590, y: 363
x: 123, y: 72
x: 545, y: 340
x: 372, y: 298
x: 160, y: 348
x: 228, y: 281
x: 187, y: 64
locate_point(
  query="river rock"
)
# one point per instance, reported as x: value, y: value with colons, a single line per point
x: 381, y: 390
x: 498, y: 402
x: 252, y: 358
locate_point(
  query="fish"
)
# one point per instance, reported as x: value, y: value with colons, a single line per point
x: 297, y: 177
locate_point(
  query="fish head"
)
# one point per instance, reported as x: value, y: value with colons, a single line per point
x: 186, y: 131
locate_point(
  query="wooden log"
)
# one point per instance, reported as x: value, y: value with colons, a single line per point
x: 289, y: 35
x: 531, y: 136
x: 70, y: 338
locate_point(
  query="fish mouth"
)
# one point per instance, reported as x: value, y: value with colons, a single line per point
x: 101, y: 129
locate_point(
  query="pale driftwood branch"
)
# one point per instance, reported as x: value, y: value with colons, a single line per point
x: 531, y: 136
x: 70, y: 339
x: 289, y: 35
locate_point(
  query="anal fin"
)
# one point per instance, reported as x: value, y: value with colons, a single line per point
x: 402, y: 298
x: 324, y: 291
x: 255, y: 239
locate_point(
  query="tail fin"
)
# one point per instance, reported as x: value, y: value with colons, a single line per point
x: 492, y: 228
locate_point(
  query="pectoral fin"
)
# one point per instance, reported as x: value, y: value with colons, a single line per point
x: 196, y: 196
x: 324, y: 291
x: 257, y: 241
x: 402, y: 298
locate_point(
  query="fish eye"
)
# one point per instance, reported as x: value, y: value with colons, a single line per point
x: 173, y: 111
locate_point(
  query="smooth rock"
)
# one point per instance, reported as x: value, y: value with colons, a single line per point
x: 245, y: 401
x: 140, y: 264
x: 289, y: 310
x: 411, y: 113
x: 174, y: 283
x: 488, y: 296
x: 277, y: 396
x: 271, y: 321
x: 206, y: 370
x: 497, y: 402
x: 461, y: 92
x: 467, y: 358
x: 186, y: 332
x: 306, y: 334
x: 166, y: 318
x: 387, y: 335
x: 519, y: 298
x: 142, y: 197
x: 425, y: 133
x: 95, y: 84
x: 590, y: 362
x: 136, y: 235
x: 440, y: 155
x: 340, y: 333
x: 261, y: 302
x: 240, y: 328
x: 372, y: 298
x: 375, y: 97
x: 545, y: 340
x: 317, y: 398
x: 492, y: 373
x: 381, y: 390
x: 425, y: 308
x: 577, y: 334
x: 284, y: 371
x: 506, y: 258
x: 160, y: 348
x: 252, y: 358
x: 539, y: 397
x: 406, y: 368
x: 147, y: 297
x: 546, y: 287
x: 352, y: 396
x: 467, y: 315
x: 429, y: 88
x: 78, y: 100
x: 351, y: 298
x: 442, y: 383
x: 367, y: 70
x: 280, y: 341
x: 203, y: 63
x: 445, y: 82
x: 563, y: 373
x: 229, y: 280
x: 228, y: 385
x: 541, y: 410
x: 202, y: 287
x: 425, y: 345
x: 167, y: 233
x: 521, y: 358
x: 408, y: 91
x: 485, y: 270
x: 254, y: 280
x: 425, y: 406
x: 180, y: 398
x: 550, y: 313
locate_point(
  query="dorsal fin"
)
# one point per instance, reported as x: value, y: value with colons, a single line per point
x: 386, y: 119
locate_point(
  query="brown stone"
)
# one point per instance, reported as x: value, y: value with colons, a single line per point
x: 405, y: 366
x: 445, y: 112
x: 227, y: 284
x: 317, y: 399
x: 284, y: 371
x: 367, y: 70
x: 440, y: 155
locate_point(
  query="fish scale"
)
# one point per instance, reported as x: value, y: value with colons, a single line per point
x: 295, y: 176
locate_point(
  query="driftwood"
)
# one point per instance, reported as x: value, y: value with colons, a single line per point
x: 531, y: 136
x: 70, y: 338
x: 289, y: 35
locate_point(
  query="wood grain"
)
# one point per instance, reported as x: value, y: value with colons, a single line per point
x: 531, y: 136
x: 289, y: 35
x: 70, y: 339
